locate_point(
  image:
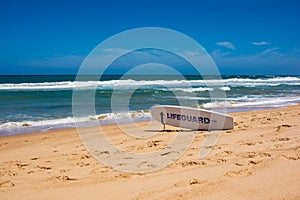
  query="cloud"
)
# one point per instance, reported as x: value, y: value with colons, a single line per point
x: 218, y: 52
x: 270, y: 50
x: 269, y: 61
x: 260, y: 43
x: 115, y: 50
x: 228, y: 45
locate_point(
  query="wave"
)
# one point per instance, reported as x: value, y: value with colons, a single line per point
x: 46, y: 85
x: 105, y: 118
x: 129, y: 83
x: 274, y: 102
x: 197, y: 89
x: 245, y: 98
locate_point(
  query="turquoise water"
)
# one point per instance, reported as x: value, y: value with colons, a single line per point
x: 41, y: 103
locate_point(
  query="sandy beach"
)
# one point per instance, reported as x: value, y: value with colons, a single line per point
x: 259, y: 159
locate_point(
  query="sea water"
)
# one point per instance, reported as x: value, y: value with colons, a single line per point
x: 31, y: 104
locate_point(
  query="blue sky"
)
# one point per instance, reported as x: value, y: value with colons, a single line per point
x: 243, y: 37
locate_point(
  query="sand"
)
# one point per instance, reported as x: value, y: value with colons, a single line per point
x: 259, y: 159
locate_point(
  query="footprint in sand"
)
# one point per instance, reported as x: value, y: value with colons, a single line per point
x: 227, y: 152
x: 229, y: 132
x: 85, y: 156
x: 21, y: 165
x: 96, y: 171
x: 3, y: 144
x: 239, y: 163
x: 123, y: 175
x: 193, y: 163
x: 63, y: 178
x: 282, y: 127
x: 254, y: 162
x: 221, y: 160
x: 256, y: 154
x: 153, y: 143
x: 239, y: 173
x: 82, y: 164
x: 282, y: 139
x: 196, y: 181
x: 64, y: 170
x: 44, y: 167
x: 247, y: 143
x: 291, y: 157
x: 6, y: 183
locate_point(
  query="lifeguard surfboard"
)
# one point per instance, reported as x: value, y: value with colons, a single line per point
x: 191, y: 118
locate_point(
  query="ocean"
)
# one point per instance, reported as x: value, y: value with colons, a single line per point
x: 30, y: 104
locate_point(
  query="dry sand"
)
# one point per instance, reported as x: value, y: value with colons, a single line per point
x: 259, y: 159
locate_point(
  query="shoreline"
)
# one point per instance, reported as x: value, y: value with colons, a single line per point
x: 144, y: 121
x: 256, y: 160
x: 88, y: 124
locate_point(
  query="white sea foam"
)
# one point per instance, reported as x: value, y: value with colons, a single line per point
x: 233, y: 99
x: 195, y: 89
x: 190, y: 90
x: 225, y: 88
x: 201, y: 89
x: 111, y: 84
x: 254, y: 103
x: 47, y: 85
x: 68, y: 121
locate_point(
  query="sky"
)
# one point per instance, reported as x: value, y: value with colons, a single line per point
x: 257, y: 37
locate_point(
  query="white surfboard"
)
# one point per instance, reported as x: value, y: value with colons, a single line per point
x: 191, y: 118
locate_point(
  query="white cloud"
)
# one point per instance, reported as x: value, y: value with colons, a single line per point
x: 218, y: 52
x: 115, y: 50
x: 269, y: 61
x: 228, y: 45
x: 270, y: 50
x: 260, y: 43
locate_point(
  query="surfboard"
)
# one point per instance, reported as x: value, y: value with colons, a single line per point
x: 191, y: 118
